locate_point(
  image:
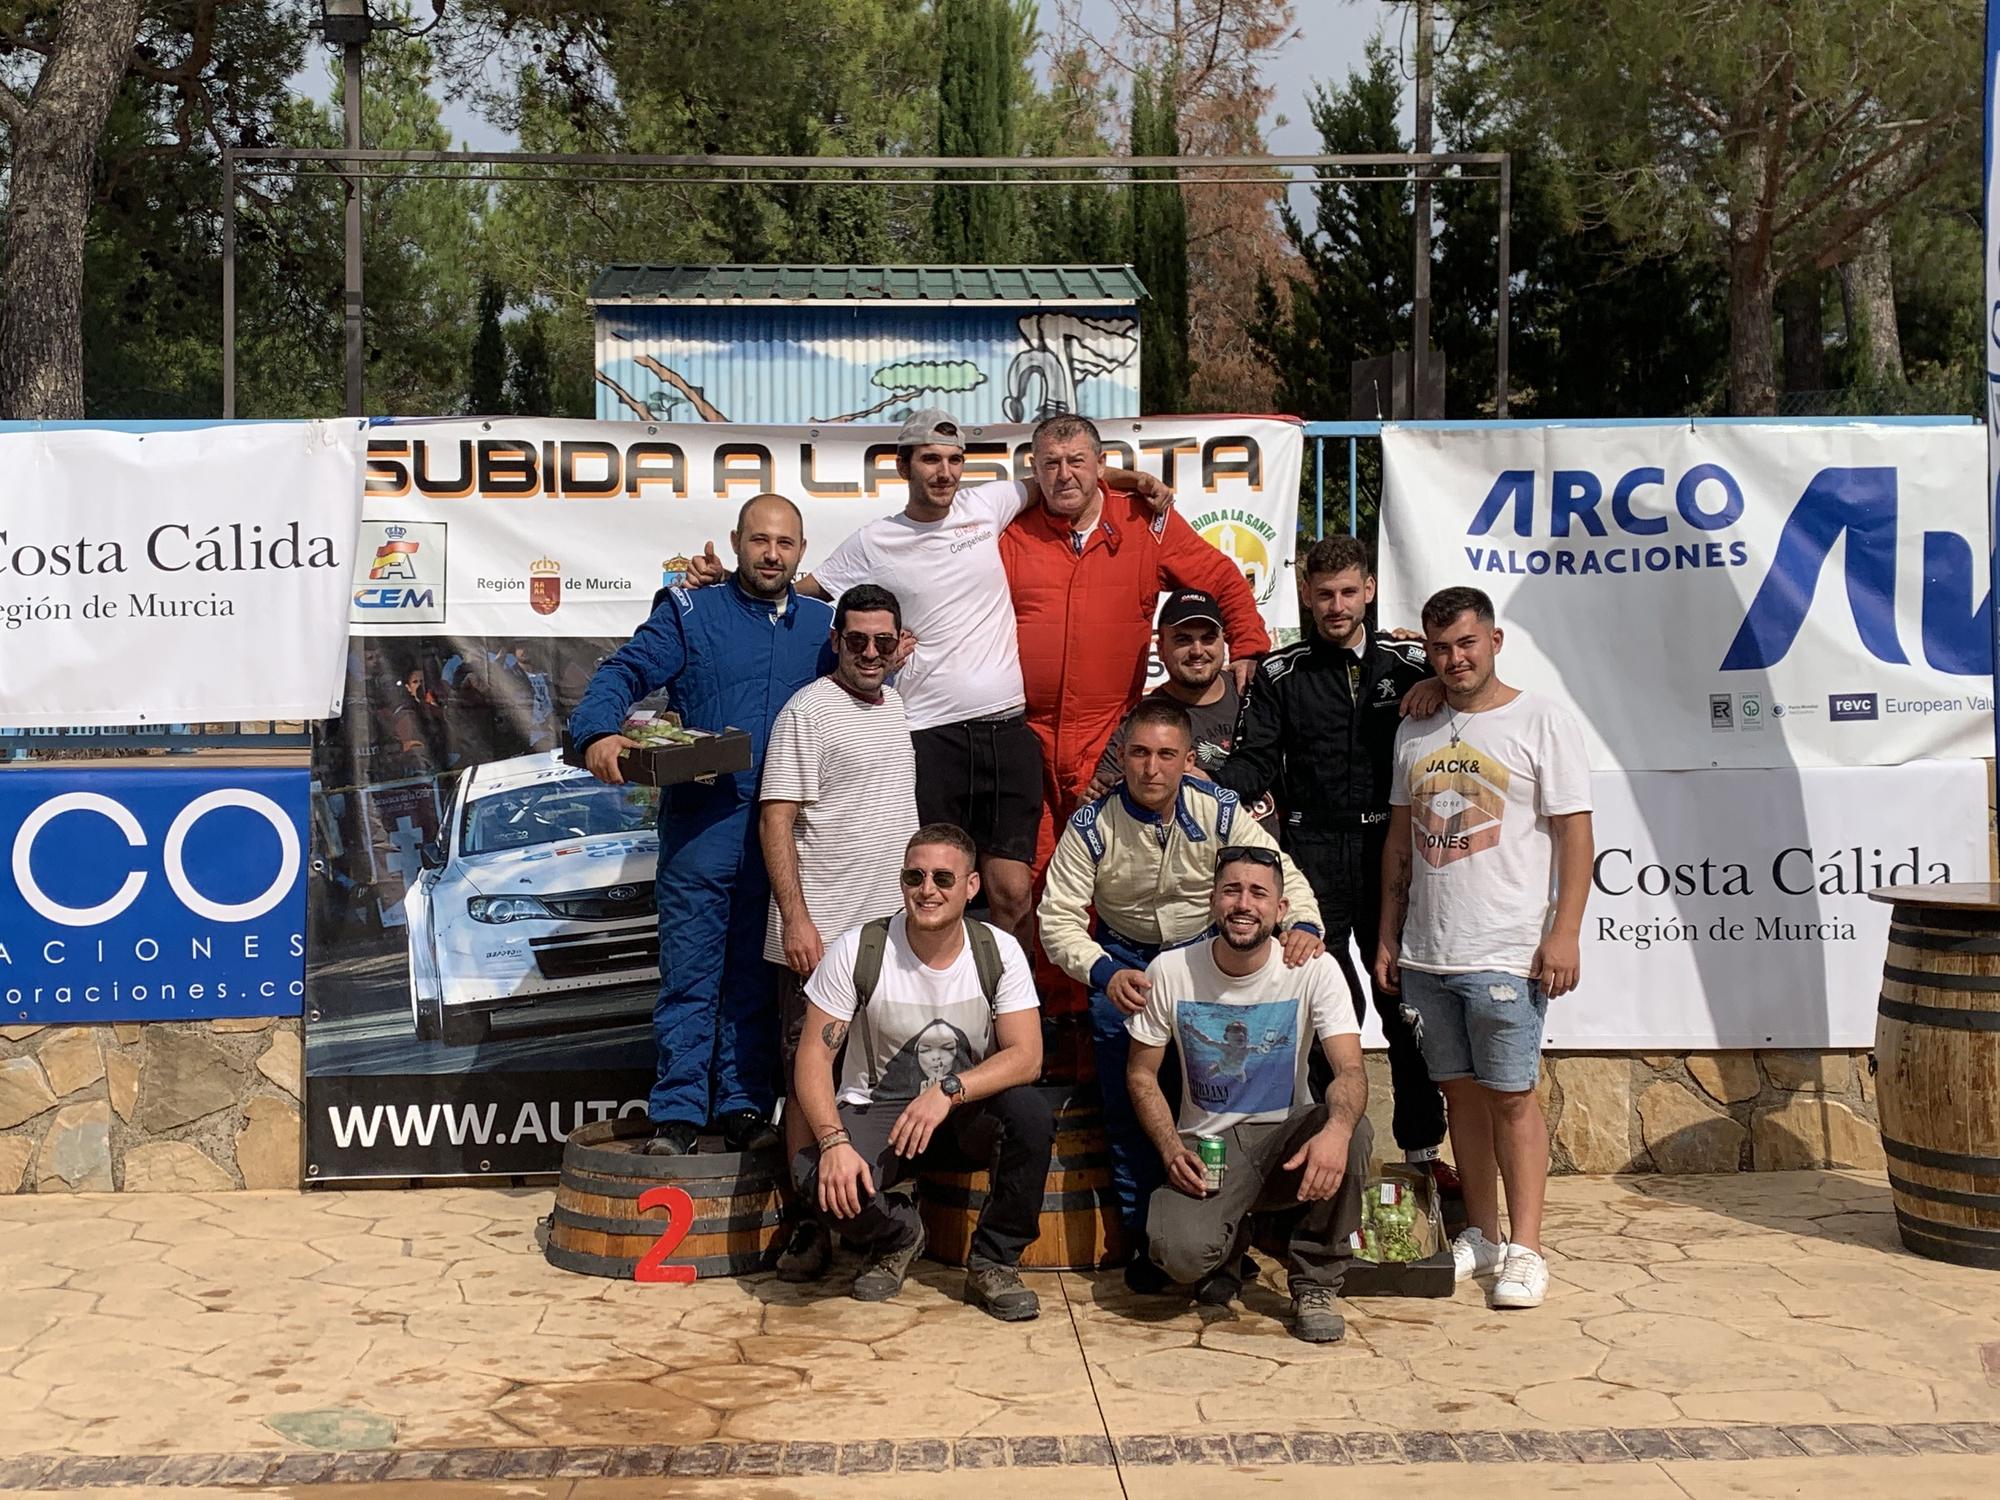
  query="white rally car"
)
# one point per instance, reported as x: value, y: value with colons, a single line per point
x: 540, y: 886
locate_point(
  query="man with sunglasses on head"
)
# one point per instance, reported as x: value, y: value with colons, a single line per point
x: 1245, y: 1020
x: 730, y: 657
x: 837, y: 806
x: 978, y: 764
x: 1143, y: 858
x: 923, y: 1041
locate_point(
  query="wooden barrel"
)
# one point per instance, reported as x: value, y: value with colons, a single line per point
x: 1937, y: 1059
x: 1080, y: 1225
x: 726, y: 1225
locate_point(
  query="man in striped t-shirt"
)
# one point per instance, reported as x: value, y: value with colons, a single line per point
x: 839, y: 803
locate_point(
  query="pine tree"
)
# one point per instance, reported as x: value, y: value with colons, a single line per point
x: 486, y: 395
x: 979, y: 63
x: 1159, y: 248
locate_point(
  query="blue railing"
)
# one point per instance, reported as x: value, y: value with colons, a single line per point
x: 1353, y: 434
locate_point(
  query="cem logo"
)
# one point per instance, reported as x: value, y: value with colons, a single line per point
x: 1849, y: 708
x: 1852, y: 510
x: 401, y: 568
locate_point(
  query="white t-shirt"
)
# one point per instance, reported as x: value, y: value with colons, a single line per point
x: 851, y: 767
x: 921, y: 1023
x: 1244, y: 1043
x: 1481, y: 789
x: 948, y: 577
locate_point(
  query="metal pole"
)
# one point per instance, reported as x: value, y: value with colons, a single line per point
x: 1501, y: 318
x: 1420, y: 335
x: 350, y: 108
x: 228, y: 284
x: 1319, y: 488
x: 1353, y: 487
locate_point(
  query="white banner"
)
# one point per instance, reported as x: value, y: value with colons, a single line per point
x: 498, y: 528
x: 1730, y: 908
x: 1763, y: 595
x: 176, y: 576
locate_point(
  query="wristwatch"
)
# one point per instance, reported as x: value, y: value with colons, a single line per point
x: 952, y: 1087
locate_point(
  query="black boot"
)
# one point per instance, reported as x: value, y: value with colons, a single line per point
x: 747, y: 1130
x: 674, y: 1138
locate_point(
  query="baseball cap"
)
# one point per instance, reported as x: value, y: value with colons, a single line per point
x: 931, y: 425
x: 1190, y: 604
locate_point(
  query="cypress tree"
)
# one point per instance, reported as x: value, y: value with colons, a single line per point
x: 486, y: 391
x: 1159, y: 247
x: 977, y: 69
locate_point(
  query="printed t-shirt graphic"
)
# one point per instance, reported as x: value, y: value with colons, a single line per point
x: 1458, y: 801
x: 1239, y: 1058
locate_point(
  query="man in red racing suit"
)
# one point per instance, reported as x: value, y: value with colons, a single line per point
x: 1087, y: 567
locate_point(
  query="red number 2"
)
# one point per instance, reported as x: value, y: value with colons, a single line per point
x: 680, y: 1218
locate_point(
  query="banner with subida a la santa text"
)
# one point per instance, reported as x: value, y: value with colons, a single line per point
x: 176, y: 575
x: 495, y: 527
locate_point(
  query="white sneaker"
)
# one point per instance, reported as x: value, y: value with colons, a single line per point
x: 1472, y: 1254
x: 1524, y: 1280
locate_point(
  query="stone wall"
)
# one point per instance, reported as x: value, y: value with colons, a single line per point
x: 167, y: 1106
x: 1767, y: 1111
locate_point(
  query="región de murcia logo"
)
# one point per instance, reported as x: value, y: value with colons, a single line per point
x: 545, y: 585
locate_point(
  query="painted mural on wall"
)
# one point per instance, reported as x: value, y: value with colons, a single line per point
x: 835, y: 364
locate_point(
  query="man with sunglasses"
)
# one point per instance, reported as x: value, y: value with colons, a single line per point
x: 1143, y: 858
x: 837, y: 806
x: 1245, y: 1020
x: 729, y: 657
x: 936, y: 1051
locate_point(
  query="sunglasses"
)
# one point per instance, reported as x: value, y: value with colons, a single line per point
x: 944, y: 880
x: 1247, y: 854
x: 857, y: 644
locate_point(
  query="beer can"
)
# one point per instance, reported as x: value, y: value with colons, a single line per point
x: 1214, y: 1151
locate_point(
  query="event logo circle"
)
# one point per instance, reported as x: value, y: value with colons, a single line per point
x: 176, y: 869
x: 1248, y: 551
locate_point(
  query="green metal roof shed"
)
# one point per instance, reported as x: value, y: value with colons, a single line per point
x: 744, y: 343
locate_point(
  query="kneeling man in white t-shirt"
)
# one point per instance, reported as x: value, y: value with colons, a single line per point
x: 1245, y: 1024
x: 931, y: 1021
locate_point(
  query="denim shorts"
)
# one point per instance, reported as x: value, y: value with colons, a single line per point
x: 1486, y: 1026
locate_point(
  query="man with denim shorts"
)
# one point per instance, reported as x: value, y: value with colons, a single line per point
x: 1484, y: 878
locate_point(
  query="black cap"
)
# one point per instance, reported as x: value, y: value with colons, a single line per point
x: 1190, y: 604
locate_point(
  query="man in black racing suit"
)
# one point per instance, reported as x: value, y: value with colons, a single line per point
x: 1318, y: 729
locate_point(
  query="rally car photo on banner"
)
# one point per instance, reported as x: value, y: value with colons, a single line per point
x: 538, y: 890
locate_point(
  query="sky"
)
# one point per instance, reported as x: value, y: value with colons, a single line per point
x: 1333, y: 34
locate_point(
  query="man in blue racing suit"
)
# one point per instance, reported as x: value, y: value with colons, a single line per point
x: 731, y: 658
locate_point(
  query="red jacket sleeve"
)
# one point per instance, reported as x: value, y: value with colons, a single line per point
x: 1188, y: 562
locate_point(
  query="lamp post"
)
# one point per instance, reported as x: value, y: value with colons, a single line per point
x: 345, y: 24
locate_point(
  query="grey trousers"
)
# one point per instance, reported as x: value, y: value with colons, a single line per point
x: 1190, y: 1237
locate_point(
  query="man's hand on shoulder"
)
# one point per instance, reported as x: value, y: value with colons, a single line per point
x: 1301, y: 947
x: 1424, y: 699
x: 601, y: 758
x: 1129, y: 990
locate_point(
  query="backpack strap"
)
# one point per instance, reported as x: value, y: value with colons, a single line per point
x: 868, y: 951
x: 986, y: 961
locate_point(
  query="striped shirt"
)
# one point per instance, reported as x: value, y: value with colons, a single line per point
x: 850, y: 766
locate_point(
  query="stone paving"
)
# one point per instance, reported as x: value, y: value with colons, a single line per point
x: 191, y: 1340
